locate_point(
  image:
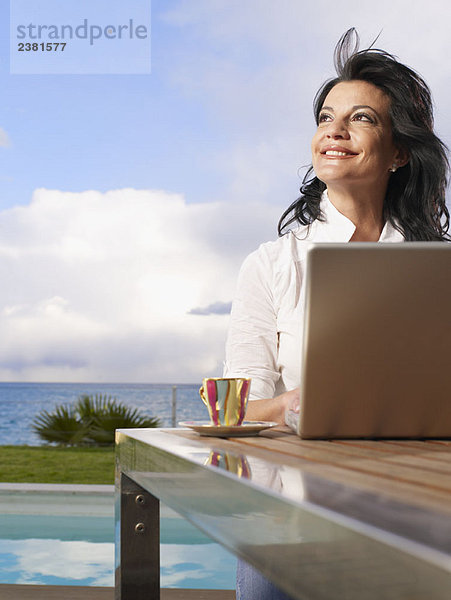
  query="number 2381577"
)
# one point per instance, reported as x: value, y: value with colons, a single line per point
x: 41, y: 46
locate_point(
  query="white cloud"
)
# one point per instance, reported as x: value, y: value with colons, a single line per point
x: 100, y: 286
x: 196, y: 562
x: 37, y: 559
x: 34, y: 561
x: 4, y: 138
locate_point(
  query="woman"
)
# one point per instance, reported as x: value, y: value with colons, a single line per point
x: 380, y: 174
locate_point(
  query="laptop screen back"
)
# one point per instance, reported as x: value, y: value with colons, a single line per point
x: 377, y: 341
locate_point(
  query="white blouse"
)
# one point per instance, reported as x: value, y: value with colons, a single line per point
x: 265, y: 333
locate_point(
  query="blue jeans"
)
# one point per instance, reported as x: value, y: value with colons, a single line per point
x: 251, y: 585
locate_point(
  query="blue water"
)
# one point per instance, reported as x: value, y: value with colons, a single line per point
x: 79, y: 550
x: 20, y: 403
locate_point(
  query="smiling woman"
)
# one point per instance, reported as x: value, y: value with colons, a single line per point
x: 353, y: 147
x: 391, y: 111
x: 378, y: 173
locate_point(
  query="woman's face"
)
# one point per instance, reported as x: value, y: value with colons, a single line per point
x: 353, y: 143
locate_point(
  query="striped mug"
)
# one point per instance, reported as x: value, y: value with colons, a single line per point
x: 226, y: 399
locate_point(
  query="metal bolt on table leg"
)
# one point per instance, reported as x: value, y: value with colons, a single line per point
x: 138, y: 558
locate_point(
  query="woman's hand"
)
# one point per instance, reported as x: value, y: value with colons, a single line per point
x: 273, y: 409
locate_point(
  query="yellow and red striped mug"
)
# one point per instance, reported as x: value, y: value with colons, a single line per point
x: 226, y: 399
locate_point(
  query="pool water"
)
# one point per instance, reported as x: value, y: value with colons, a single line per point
x: 68, y: 539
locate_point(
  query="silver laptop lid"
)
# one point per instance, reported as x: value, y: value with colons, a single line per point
x: 377, y: 341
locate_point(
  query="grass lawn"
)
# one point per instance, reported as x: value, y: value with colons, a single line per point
x: 47, y: 464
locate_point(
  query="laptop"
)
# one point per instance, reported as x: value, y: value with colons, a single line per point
x: 376, y: 360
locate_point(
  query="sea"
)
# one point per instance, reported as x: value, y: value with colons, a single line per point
x: 21, y: 403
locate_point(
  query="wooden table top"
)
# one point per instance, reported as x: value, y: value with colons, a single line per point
x: 410, y: 471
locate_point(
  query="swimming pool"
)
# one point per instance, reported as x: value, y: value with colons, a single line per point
x: 64, y: 535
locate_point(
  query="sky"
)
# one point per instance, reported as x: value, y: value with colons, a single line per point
x: 129, y: 201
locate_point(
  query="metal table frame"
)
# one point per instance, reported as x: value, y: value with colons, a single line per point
x: 313, y: 536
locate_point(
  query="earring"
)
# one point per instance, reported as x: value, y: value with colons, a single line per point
x: 393, y: 168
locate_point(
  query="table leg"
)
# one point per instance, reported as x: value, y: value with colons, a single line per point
x: 137, y: 542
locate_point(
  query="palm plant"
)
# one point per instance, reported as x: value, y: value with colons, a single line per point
x: 93, y: 420
x: 105, y: 415
x: 62, y: 426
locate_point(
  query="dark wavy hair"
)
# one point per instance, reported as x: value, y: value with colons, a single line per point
x: 415, y: 199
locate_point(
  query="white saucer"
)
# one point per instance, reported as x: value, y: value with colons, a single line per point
x: 246, y: 428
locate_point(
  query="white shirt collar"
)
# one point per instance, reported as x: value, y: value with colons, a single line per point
x: 338, y: 228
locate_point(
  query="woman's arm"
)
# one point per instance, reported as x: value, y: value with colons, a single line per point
x: 252, y: 341
x: 273, y: 409
x: 252, y: 348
